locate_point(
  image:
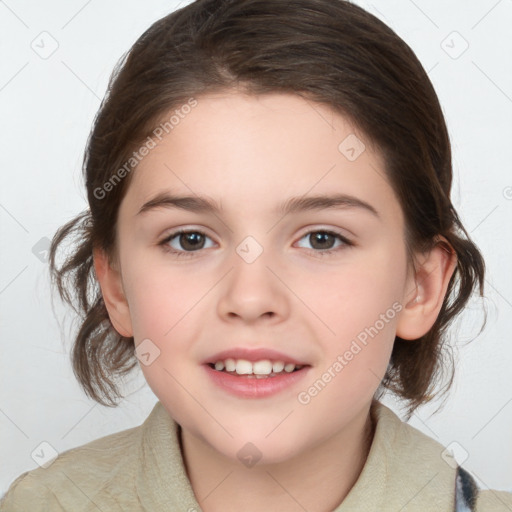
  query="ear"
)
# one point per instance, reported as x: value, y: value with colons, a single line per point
x: 113, y: 293
x: 425, y: 291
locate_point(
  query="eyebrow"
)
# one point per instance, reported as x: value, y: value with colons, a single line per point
x: 199, y: 204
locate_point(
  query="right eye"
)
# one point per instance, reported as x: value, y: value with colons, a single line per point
x: 190, y: 240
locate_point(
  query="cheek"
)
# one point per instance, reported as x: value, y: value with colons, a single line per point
x: 354, y: 296
x: 163, y: 308
x: 359, y: 307
x: 160, y: 298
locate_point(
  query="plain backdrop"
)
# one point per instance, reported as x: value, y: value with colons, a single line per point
x: 55, y: 60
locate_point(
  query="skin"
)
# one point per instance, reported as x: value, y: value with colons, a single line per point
x: 249, y: 154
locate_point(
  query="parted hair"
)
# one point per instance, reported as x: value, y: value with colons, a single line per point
x: 328, y: 51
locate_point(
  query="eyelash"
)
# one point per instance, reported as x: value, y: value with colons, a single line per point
x: 321, y: 253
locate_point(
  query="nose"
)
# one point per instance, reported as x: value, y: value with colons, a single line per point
x: 253, y: 292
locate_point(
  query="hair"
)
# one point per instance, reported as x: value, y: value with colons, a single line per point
x: 327, y: 51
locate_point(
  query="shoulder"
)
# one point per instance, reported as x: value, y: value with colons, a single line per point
x: 76, y: 476
x: 27, y: 493
x: 419, y: 463
x: 494, y: 501
x: 411, y: 446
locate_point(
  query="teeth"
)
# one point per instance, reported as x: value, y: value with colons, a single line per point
x: 260, y: 369
x: 230, y: 365
x: 243, y: 367
x: 277, y: 366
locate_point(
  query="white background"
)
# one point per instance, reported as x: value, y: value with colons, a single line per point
x: 47, y: 107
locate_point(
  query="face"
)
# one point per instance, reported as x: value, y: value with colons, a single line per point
x: 322, y: 286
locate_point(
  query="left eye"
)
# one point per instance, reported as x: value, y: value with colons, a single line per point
x: 192, y: 241
x: 323, y: 240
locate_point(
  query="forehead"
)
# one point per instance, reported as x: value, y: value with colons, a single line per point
x: 254, y: 151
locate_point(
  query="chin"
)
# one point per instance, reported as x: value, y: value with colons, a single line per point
x: 254, y: 446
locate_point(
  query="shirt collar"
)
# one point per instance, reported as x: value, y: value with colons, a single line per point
x: 404, y: 468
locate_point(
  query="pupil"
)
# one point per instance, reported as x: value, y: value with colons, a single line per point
x: 321, y: 237
x: 187, y: 237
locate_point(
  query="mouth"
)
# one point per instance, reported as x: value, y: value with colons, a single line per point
x: 260, y: 378
x: 259, y: 369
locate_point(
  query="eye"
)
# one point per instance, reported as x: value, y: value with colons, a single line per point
x: 323, y: 240
x: 190, y: 240
x: 186, y: 242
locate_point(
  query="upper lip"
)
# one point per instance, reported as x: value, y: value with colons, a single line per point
x: 252, y: 355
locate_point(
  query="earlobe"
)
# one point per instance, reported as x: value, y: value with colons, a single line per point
x: 113, y: 293
x: 425, y: 291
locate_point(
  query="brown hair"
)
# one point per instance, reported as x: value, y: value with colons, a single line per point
x: 328, y: 51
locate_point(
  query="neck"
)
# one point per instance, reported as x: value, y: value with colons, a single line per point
x: 329, y: 469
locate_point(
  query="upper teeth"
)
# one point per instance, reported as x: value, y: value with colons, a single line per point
x: 263, y: 367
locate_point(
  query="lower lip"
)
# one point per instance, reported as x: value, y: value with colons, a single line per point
x: 251, y: 387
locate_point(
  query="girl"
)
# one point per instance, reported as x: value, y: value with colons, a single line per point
x: 271, y: 238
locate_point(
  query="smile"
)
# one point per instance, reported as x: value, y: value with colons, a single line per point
x: 257, y: 369
x: 254, y: 385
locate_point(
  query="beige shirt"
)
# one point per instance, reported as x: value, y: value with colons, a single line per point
x: 142, y: 469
